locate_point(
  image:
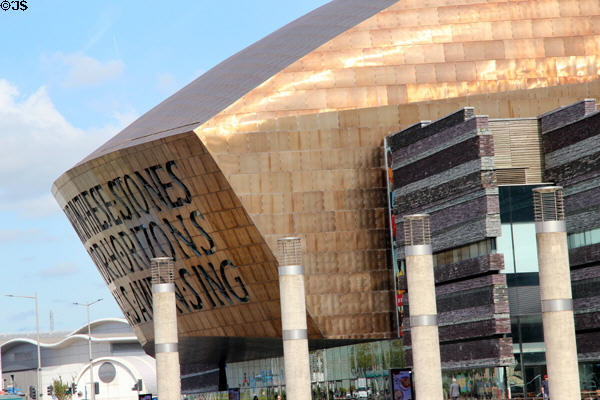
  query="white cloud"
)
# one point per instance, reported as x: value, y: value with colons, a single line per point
x: 59, y: 270
x: 82, y: 70
x: 38, y: 144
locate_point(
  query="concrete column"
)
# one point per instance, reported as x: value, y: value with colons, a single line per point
x: 427, y: 366
x: 168, y: 377
x: 555, y: 293
x: 293, y: 320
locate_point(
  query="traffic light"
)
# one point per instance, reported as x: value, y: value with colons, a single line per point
x: 50, y: 390
x: 73, y: 388
x: 97, y: 387
x: 32, y: 394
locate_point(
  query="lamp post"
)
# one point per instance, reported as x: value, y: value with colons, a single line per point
x: 87, y: 306
x: 37, y: 329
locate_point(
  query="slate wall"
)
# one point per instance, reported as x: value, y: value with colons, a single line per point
x: 445, y: 168
x: 571, y: 145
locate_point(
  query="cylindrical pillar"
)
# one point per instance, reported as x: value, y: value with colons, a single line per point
x: 293, y: 319
x: 555, y: 293
x: 168, y: 377
x: 425, y: 343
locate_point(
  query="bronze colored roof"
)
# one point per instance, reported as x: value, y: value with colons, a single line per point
x: 222, y: 85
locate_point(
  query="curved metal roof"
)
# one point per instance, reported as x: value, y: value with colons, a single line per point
x: 60, y: 340
x: 98, y: 322
x: 221, y: 86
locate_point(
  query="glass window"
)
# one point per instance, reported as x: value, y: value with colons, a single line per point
x: 521, y: 238
x: 483, y: 247
x: 577, y: 240
x: 595, y: 236
x: 570, y: 241
x: 455, y: 255
x: 464, y: 253
x: 516, y: 203
x: 587, y: 238
x: 525, y: 246
x: 505, y: 246
x: 473, y: 250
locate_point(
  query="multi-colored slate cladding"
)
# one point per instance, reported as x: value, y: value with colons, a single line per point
x: 571, y: 145
x: 446, y: 169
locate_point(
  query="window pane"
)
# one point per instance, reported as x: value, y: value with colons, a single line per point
x: 525, y: 247
x: 595, y: 236
x: 587, y: 238
x: 473, y: 250
x: 464, y: 253
x: 504, y: 244
x: 577, y: 240
x: 570, y: 241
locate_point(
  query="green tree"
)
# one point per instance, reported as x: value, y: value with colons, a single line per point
x: 364, y: 358
x: 396, y: 354
x: 60, y: 389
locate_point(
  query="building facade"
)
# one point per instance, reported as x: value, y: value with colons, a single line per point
x: 119, y: 362
x: 286, y: 138
x: 475, y: 176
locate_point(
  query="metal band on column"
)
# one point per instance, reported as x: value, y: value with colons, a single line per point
x: 294, y: 334
x: 291, y: 270
x: 550, y: 226
x: 418, y: 250
x: 557, y: 305
x: 423, y: 320
x: 165, y: 348
x: 163, y: 288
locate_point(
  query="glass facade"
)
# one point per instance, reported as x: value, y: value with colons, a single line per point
x: 478, y: 383
x: 345, y: 372
x: 359, y: 371
x: 518, y: 244
x: 517, y: 241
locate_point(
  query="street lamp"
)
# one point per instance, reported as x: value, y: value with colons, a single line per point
x: 87, y: 305
x: 37, y: 329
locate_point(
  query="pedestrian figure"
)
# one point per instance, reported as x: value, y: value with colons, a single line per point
x: 479, y: 390
x: 545, y: 391
x: 454, y: 390
x: 488, y: 390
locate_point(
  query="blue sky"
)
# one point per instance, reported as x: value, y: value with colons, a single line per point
x: 73, y: 74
